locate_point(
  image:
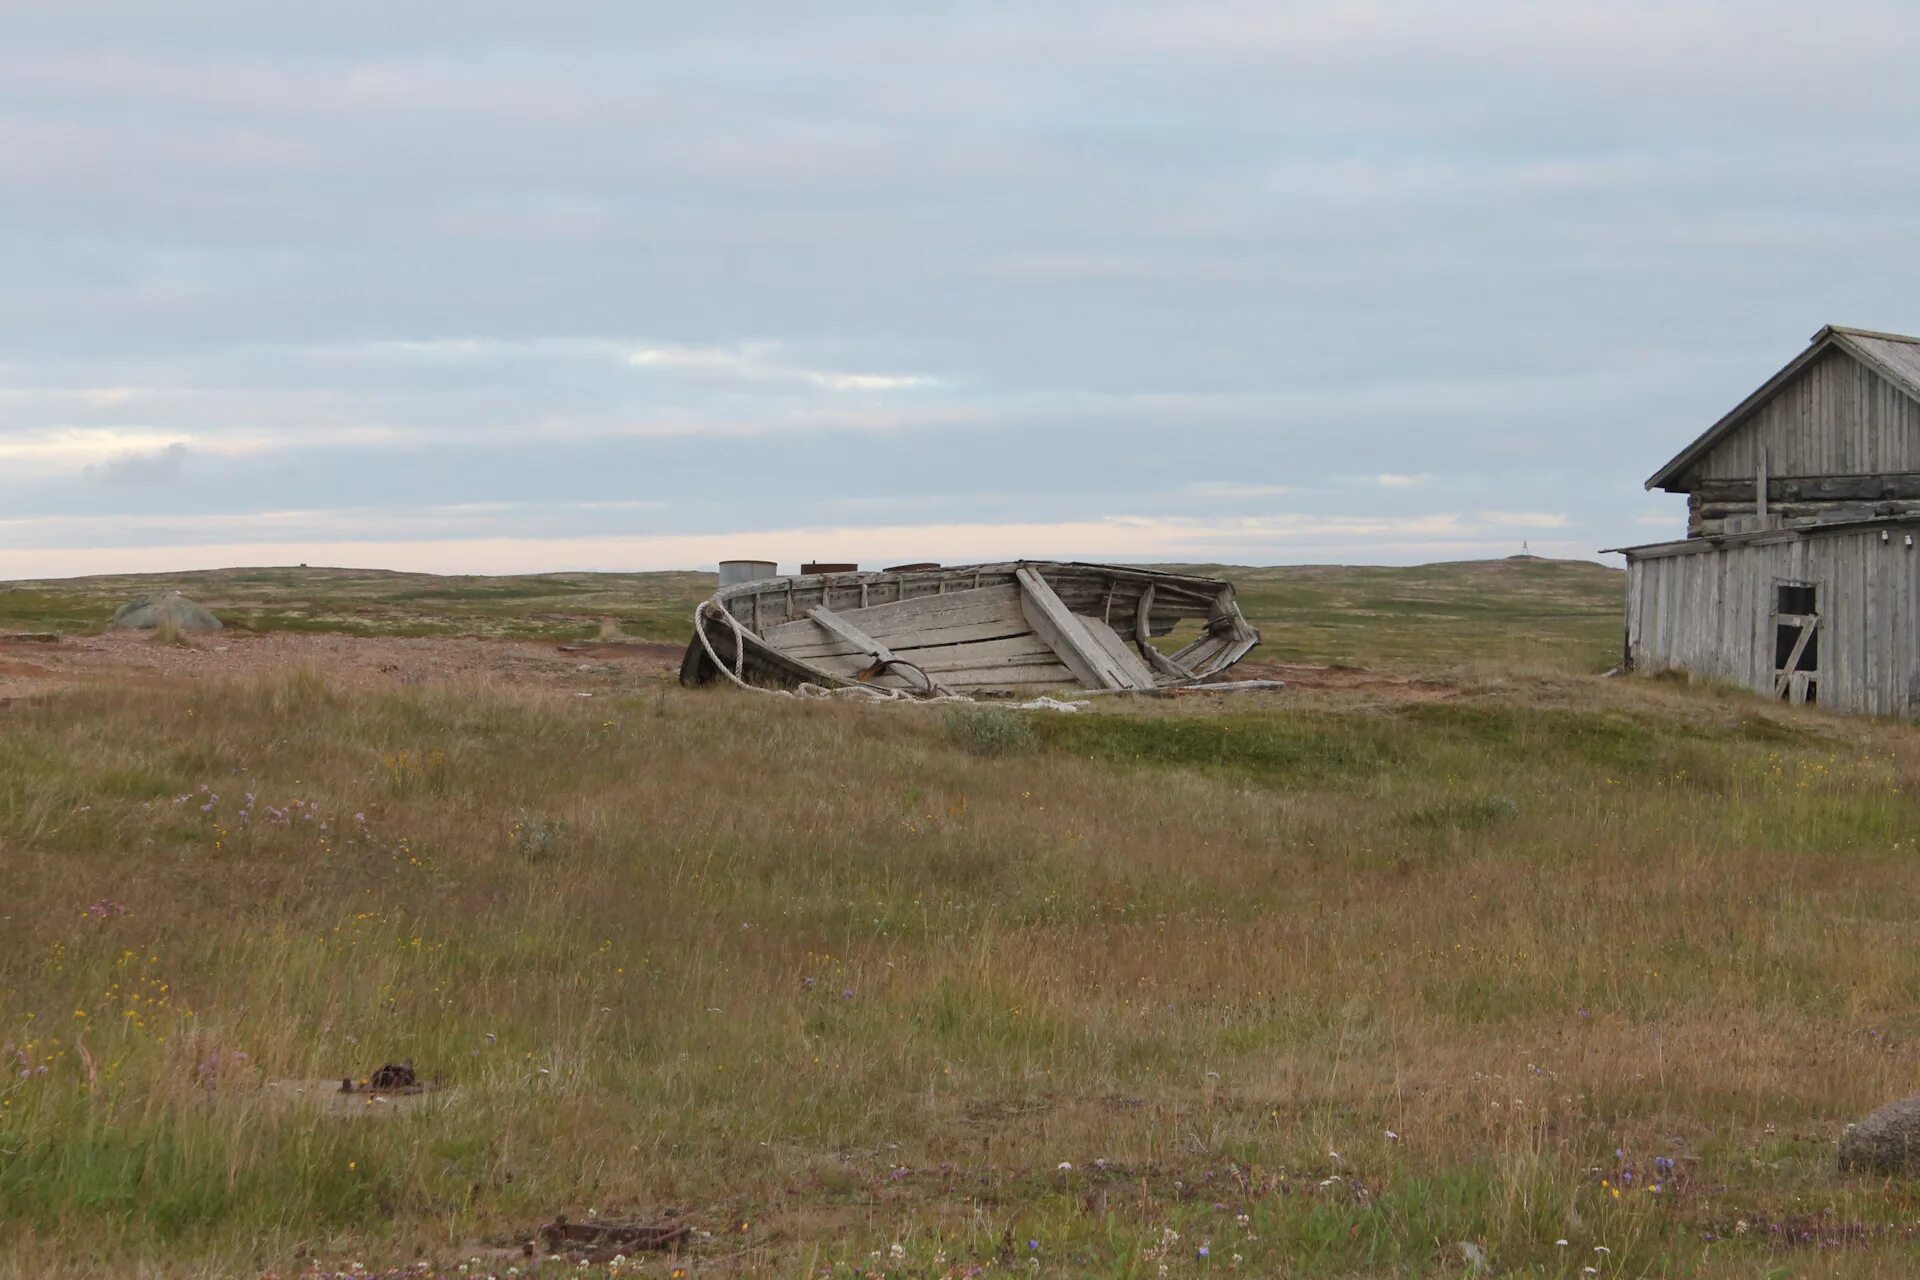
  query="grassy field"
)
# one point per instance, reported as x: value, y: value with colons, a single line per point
x: 1557, y: 972
x: 1493, y: 610
x: 370, y: 602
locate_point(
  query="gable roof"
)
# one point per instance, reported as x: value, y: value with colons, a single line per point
x: 1893, y: 356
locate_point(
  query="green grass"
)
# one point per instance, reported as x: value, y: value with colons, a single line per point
x: 1553, y: 612
x: 1205, y: 946
x: 369, y: 602
x: 1333, y: 981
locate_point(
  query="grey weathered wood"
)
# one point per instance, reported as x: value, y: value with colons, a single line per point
x: 866, y: 645
x: 1847, y: 405
x: 1792, y: 667
x: 1143, y: 639
x: 1826, y: 512
x: 910, y: 644
x: 1069, y: 636
x: 1024, y: 651
x: 834, y: 624
x: 1856, y: 488
x: 1712, y: 613
x: 1049, y: 675
x: 974, y: 620
x: 974, y: 614
x: 1138, y: 674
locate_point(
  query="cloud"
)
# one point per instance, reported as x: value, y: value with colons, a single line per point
x: 1119, y: 538
x: 58, y: 447
x: 1000, y: 265
x: 336, y: 525
x: 1229, y: 490
x: 1524, y: 519
x: 762, y: 362
x: 138, y: 469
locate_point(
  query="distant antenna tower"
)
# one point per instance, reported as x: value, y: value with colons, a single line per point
x: 1524, y: 549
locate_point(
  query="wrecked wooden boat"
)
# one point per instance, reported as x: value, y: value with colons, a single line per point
x: 1021, y: 627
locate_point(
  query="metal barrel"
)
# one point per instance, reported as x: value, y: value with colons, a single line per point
x: 735, y: 572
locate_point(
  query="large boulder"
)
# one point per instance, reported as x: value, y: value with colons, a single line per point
x: 172, y: 610
x: 1888, y: 1141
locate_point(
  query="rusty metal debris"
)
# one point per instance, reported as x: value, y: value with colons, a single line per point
x: 601, y: 1239
x: 392, y: 1078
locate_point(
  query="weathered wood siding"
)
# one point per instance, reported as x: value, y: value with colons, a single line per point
x: 1710, y: 612
x: 1835, y: 417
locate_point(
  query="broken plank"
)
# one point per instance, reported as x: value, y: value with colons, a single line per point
x: 876, y: 652
x: 835, y: 625
x: 1138, y: 674
x: 1069, y: 636
x: 1143, y: 638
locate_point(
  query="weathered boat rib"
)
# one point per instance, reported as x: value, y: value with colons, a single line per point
x: 1022, y: 625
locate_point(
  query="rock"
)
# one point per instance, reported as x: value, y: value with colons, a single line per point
x: 173, y: 610
x: 1888, y: 1141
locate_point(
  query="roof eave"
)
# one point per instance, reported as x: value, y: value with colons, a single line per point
x: 1662, y: 478
x: 1714, y: 541
x: 1844, y: 339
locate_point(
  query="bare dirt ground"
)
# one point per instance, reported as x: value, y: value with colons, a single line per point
x: 30, y: 668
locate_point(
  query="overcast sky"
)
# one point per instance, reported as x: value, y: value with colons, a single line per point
x: 500, y: 287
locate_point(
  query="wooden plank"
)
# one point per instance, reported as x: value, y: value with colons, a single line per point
x: 1067, y: 633
x: 898, y: 621
x: 872, y: 650
x: 1018, y: 651
x: 813, y: 644
x: 1139, y: 675
x: 1014, y: 651
x: 847, y: 633
x: 1050, y: 675
x: 1793, y: 659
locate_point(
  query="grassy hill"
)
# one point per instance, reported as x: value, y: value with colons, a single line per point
x: 380, y: 602
x: 1579, y: 973
x: 1544, y: 610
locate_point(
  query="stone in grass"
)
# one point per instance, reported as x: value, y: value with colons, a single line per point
x: 172, y: 610
x: 1886, y: 1142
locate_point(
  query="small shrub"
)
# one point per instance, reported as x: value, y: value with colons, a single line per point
x: 990, y: 731
x: 417, y: 773
x: 535, y: 838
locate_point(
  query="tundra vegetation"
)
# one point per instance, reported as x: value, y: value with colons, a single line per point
x: 1471, y: 961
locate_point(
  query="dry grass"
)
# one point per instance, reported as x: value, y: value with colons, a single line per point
x: 1497, y: 611
x: 832, y: 979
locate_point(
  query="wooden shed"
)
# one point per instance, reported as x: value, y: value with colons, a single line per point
x: 1797, y: 577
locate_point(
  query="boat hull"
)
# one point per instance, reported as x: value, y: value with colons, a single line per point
x: 1020, y: 626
